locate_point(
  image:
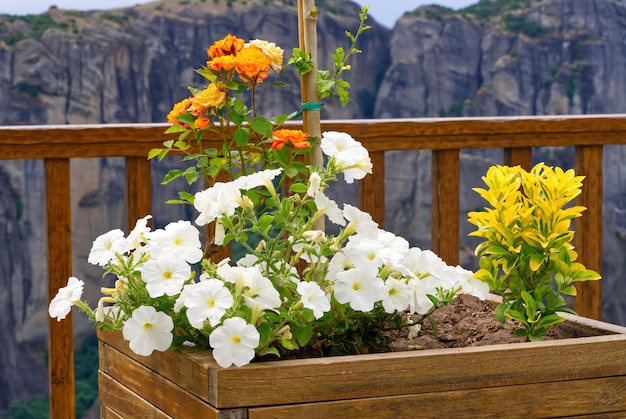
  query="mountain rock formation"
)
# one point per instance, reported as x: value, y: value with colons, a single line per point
x: 548, y: 57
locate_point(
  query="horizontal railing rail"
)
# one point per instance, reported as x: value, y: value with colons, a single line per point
x: 57, y: 145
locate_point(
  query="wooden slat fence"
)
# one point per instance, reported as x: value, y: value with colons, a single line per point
x: 445, y: 137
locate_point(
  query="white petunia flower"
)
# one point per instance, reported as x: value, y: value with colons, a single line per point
x: 138, y: 237
x: 247, y: 261
x: 165, y: 275
x: 220, y: 199
x: 314, y: 298
x: 360, y: 287
x: 234, y: 342
x: 328, y: 207
x: 148, y: 330
x: 180, y: 239
x: 419, y: 303
x: 348, y: 154
x: 335, y: 144
x: 106, y: 246
x: 397, y: 297
x: 262, y: 178
x: 260, y: 293
x: 62, y: 303
x: 360, y: 221
x: 208, y: 300
x: 356, y: 170
x: 315, y: 183
x: 470, y: 284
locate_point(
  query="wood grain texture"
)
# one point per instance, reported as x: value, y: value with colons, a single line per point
x: 604, y: 397
x: 521, y: 156
x: 138, y: 189
x: 371, y: 190
x: 384, y: 375
x: 123, y: 403
x: 29, y: 142
x: 588, y: 237
x: 60, y: 336
x: 164, y: 394
x: 445, y: 205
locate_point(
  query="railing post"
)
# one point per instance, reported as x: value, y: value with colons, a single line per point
x: 588, y: 237
x: 445, y: 211
x: 371, y: 190
x: 61, y: 334
x: 518, y: 156
x: 138, y: 189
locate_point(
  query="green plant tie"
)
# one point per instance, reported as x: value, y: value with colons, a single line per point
x: 307, y: 106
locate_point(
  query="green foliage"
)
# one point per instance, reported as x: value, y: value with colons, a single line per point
x: 38, y: 408
x: 39, y: 24
x: 329, y: 83
x: 519, y: 23
x: 86, y: 385
x: 527, y: 256
x: 433, y: 12
x: 486, y: 10
x: 118, y: 18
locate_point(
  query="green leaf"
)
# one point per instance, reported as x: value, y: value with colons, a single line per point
x: 500, y: 312
x: 187, y: 118
x: 549, y: 320
x: 289, y: 344
x: 298, y: 188
x: 175, y: 129
x: 262, y: 126
x: 154, y: 153
x: 186, y: 196
x: 171, y: 175
x: 302, y: 333
x: 242, y: 137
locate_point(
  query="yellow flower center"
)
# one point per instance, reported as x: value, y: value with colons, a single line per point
x: 356, y: 286
x: 211, y: 302
x: 167, y: 275
x: 148, y: 326
x: 236, y: 339
x: 178, y: 241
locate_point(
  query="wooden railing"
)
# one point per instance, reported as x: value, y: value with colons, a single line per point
x: 445, y: 137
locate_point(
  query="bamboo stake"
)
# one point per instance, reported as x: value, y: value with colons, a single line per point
x: 307, y: 33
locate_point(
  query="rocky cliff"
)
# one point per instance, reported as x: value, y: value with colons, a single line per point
x: 497, y: 57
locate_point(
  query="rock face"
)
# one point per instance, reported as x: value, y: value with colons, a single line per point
x: 130, y: 65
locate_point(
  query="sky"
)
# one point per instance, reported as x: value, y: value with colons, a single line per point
x: 384, y: 11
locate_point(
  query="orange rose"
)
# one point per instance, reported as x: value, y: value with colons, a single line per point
x: 252, y: 64
x: 224, y: 63
x: 210, y: 97
x: 295, y: 137
x: 230, y: 45
x: 270, y: 49
x: 201, y: 123
x: 179, y: 109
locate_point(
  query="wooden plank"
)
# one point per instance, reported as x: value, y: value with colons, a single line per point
x: 557, y: 399
x: 588, y: 237
x: 107, y: 413
x: 121, y: 402
x: 138, y: 189
x: 445, y: 205
x: 519, y: 156
x: 164, y: 394
x: 377, y: 375
x: 28, y: 142
x: 60, y: 334
x: 414, y: 372
x: 371, y: 190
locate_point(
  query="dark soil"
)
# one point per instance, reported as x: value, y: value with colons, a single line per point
x: 467, y: 322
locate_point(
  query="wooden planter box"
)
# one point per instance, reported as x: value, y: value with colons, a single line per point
x: 568, y: 377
